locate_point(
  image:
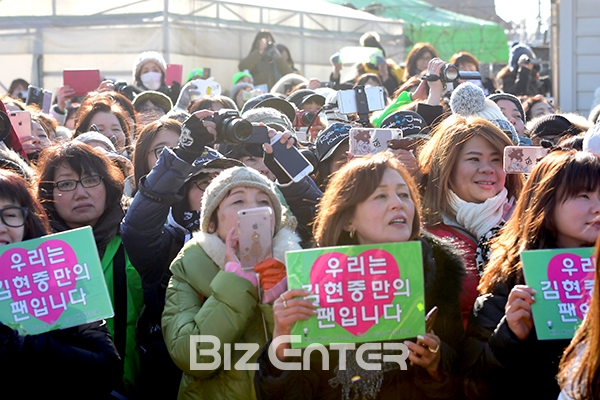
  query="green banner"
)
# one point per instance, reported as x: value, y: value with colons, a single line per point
x: 53, y: 282
x: 563, y: 279
x: 365, y: 293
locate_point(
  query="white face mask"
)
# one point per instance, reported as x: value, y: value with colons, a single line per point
x: 151, y: 80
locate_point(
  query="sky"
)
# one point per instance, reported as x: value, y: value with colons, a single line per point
x: 517, y: 10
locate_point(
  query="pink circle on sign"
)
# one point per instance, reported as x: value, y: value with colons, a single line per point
x: 69, y: 259
x: 320, y: 275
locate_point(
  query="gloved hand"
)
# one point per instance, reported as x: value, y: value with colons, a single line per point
x: 271, y: 275
x: 185, y: 96
x: 236, y: 268
x: 194, y: 136
x: 173, y: 92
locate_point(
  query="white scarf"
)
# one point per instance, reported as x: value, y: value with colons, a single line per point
x: 476, y: 218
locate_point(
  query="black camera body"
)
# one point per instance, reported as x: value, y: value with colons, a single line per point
x: 231, y: 128
x: 5, y: 126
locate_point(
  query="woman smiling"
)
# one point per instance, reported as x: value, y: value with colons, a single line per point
x: 467, y: 194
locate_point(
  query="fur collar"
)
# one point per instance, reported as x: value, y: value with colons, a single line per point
x: 285, y: 240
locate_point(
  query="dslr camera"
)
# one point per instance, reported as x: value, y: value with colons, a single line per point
x: 450, y: 73
x: 5, y: 126
x: 233, y: 129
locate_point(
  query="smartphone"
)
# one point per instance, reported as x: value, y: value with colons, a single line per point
x: 174, y: 73
x: 255, y: 231
x: 430, y: 319
x: 35, y: 95
x: 250, y: 94
x: 82, y: 81
x: 40, y: 97
x: 295, y: 165
x: 522, y: 159
x: 47, y: 102
x: 347, y: 99
x: 21, y: 122
x: 365, y: 141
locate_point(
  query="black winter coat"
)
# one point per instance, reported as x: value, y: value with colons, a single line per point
x: 443, y: 273
x: 73, y: 363
x: 500, y: 366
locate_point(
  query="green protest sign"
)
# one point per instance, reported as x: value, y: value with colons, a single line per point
x: 563, y: 279
x: 365, y: 293
x: 53, y: 282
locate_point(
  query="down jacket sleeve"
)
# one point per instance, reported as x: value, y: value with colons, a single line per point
x: 204, y: 300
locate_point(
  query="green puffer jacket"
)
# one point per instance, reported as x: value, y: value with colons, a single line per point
x: 203, y: 299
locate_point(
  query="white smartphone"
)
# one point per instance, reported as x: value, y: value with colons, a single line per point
x: 347, y: 99
x: 290, y: 160
x: 255, y: 231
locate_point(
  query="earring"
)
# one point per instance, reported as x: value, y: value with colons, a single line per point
x: 352, y: 234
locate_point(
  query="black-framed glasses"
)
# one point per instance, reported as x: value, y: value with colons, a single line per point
x: 201, y: 185
x: 157, y: 151
x: 14, y: 216
x: 69, y: 185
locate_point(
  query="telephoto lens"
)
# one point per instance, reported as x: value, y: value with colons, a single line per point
x: 231, y: 128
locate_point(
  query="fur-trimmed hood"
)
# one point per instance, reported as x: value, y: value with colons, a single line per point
x: 285, y: 240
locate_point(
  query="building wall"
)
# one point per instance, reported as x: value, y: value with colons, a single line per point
x: 578, y: 54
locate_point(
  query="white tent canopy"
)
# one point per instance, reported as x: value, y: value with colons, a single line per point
x: 40, y: 38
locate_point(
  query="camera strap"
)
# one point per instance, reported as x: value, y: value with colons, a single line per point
x: 362, y: 105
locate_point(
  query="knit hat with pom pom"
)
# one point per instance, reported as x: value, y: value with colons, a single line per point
x: 469, y: 100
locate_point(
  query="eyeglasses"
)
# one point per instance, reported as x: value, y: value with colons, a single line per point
x: 157, y: 151
x: 14, y: 216
x: 69, y: 185
x: 201, y: 185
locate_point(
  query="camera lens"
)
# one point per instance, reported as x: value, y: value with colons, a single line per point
x: 234, y: 130
x: 307, y: 118
x: 449, y: 73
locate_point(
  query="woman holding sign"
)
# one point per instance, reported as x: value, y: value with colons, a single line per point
x: 373, y: 200
x: 559, y: 208
x: 71, y: 363
x: 211, y: 300
x: 80, y: 186
x: 466, y: 193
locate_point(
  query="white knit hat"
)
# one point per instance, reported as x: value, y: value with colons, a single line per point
x: 144, y: 58
x: 591, y: 140
x: 469, y: 100
x: 231, y: 178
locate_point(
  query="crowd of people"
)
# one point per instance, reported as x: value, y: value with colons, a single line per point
x: 151, y: 170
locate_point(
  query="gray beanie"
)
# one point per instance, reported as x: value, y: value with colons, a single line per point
x: 231, y: 178
x: 93, y: 136
x: 237, y: 87
x: 469, y: 100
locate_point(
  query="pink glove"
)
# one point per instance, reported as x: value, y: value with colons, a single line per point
x: 270, y: 295
x: 236, y: 268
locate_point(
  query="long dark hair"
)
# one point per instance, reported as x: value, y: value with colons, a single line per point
x: 579, y: 370
x: 559, y: 176
x: 14, y: 188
